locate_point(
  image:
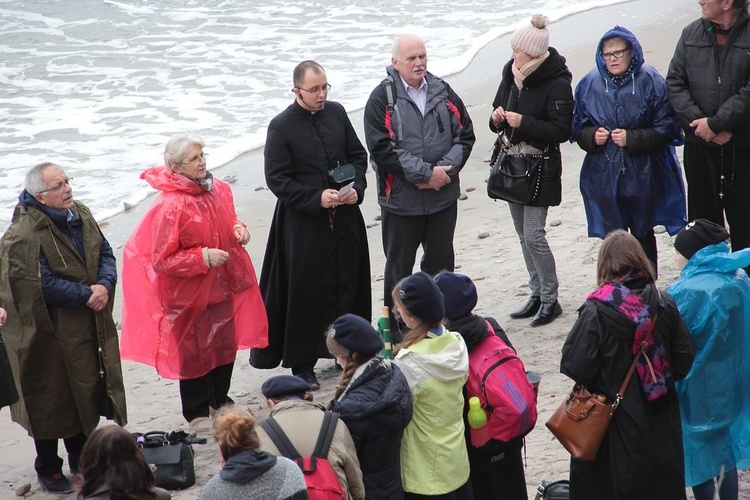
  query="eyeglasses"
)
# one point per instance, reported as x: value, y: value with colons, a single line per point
x: 615, y: 54
x: 197, y: 159
x: 317, y: 90
x: 57, y: 187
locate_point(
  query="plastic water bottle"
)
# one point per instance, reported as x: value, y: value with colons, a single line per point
x: 477, y: 417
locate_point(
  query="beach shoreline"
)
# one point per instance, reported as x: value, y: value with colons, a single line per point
x: 494, y: 262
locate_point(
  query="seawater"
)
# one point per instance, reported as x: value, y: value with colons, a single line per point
x: 99, y: 86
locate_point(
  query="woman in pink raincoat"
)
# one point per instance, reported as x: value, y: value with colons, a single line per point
x: 191, y: 297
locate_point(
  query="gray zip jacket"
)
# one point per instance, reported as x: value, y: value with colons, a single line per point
x: 405, y: 146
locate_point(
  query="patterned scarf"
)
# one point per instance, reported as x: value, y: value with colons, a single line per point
x: 619, y: 80
x: 653, y: 367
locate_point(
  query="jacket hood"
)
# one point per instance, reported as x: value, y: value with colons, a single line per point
x: 716, y: 259
x: 447, y: 359
x: 246, y: 466
x: 472, y: 328
x: 632, y: 40
x: 162, y: 179
x: 379, y: 393
x: 26, y: 199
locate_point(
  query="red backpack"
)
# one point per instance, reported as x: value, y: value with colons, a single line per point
x: 321, y: 481
x: 498, y: 378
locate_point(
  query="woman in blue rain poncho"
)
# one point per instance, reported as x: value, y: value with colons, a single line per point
x: 713, y: 296
x: 631, y: 178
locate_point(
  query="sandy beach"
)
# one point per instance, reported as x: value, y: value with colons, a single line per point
x: 493, y: 262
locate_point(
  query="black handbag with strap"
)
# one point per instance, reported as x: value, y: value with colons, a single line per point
x: 172, y: 454
x: 516, y: 177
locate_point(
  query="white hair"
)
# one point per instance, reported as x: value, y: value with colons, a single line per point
x: 34, y: 181
x: 397, y: 43
x: 176, y: 148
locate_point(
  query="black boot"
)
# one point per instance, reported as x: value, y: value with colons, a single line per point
x: 547, y: 313
x: 528, y: 309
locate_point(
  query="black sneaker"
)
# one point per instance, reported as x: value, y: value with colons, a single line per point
x: 310, y: 378
x: 56, y: 483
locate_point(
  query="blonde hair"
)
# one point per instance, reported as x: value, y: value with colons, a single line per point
x: 234, y: 431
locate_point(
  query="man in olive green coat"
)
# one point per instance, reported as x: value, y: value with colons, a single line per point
x: 57, y: 281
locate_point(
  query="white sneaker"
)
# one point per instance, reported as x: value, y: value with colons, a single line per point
x: 201, y: 425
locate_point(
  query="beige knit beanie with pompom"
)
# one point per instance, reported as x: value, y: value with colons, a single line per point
x: 532, y: 39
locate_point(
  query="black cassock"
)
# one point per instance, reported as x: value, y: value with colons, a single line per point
x: 317, y: 263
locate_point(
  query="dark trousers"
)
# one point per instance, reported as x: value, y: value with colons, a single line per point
x: 402, y: 236
x: 48, y: 462
x: 462, y: 493
x: 648, y: 243
x: 704, y: 168
x: 197, y: 394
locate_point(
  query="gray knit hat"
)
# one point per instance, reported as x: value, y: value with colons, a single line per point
x: 534, y: 38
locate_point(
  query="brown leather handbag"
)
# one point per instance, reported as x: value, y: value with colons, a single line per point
x: 581, y: 421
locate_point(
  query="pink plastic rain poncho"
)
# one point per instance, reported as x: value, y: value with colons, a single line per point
x: 181, y: 316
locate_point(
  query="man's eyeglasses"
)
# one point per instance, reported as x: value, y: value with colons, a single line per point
x: 615, y: 54
x: 201, y: 157
x: 57, y: 187
x: 317, y: 90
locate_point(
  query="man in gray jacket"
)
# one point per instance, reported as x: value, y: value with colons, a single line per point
x: 419, y: 135
x: 709, y: 87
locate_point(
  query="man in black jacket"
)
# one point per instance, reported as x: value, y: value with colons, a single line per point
x: 709, y: 88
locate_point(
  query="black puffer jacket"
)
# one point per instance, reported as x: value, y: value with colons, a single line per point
x: 376, y: 408
x: 700, y: 86
x: 546, y: 103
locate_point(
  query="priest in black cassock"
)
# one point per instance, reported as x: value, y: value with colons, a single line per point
x: 317, y: 263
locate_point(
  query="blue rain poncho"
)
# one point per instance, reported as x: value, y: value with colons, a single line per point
x: 639, y: 186
x: 713, y: 296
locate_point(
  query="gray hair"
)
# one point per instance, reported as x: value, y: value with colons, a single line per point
x: 397, y: 43
x: 176, y: 148
x: 34, y: 181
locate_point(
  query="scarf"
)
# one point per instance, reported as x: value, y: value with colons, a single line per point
x: 619, y: 80
x: 653, y: 367
x: 519, y: 75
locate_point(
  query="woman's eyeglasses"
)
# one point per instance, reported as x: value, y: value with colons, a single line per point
x: 617, y: 54
x: 197, y: 159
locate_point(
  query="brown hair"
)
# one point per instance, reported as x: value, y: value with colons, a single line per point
x: 234, y: 431
x: 111, y: 459
x: 621, y: 256
x: 353, y: 361
x: 417, y: 333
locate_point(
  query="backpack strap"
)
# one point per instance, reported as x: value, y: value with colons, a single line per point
x: 280, y: 439
x: 327, y: 430
x: 389, y: 85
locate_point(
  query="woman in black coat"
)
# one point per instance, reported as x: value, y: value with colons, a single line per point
x: 641, y: 457
x: 533, y: 108
x: 374, y: 400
